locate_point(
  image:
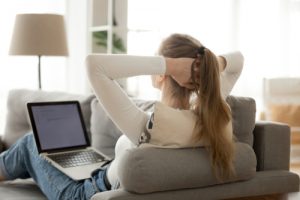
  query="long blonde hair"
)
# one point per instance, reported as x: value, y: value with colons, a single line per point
x: 213, y: 113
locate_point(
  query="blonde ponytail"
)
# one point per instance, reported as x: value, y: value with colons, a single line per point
x: 213, y: 113
x: 211, y: 110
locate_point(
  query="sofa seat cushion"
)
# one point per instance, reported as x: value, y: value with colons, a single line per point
x: 264, y: 183
x: 20, y: 190
x: 145, y: 170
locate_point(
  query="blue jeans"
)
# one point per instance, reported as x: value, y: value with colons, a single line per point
x: 22, y: 160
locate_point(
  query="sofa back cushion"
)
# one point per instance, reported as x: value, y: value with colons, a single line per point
x: 17, y: 119
x: 105, y: 133
x: 243, y: 111
x: 146, y: 170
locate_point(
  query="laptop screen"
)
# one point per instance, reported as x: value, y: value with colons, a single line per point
x: 57, y: 125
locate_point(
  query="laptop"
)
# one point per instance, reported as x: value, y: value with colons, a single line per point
x: 61, y: 138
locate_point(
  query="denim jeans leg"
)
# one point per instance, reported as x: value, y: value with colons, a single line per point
x: 23, y: 161
x: 11, y: 162
x: 98, y: 178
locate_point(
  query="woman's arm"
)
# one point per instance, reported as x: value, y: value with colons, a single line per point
x: 103, y: 69
x: 231, y: 66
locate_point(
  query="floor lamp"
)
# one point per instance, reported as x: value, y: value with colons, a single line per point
x: 40, y: 35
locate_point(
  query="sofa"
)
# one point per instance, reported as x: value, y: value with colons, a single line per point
x: 261, y: 161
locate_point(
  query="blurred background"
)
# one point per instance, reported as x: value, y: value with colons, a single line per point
x: 265, y: 31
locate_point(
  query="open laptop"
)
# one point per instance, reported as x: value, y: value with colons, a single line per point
x: 61, y: 138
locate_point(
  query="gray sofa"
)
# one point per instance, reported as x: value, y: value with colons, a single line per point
x: 261, y: 162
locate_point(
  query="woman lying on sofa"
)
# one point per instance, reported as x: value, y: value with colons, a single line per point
x: 193, y: 82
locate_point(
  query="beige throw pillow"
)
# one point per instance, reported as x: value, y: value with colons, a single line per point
x: 285, y: 113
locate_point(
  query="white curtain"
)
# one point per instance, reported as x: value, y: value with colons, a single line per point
x: 266, y: 31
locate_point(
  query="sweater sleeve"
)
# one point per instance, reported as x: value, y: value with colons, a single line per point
x: 102, y: 69
x: 233, y: 69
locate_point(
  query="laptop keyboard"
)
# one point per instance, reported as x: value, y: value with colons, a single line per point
x: 73, y: 159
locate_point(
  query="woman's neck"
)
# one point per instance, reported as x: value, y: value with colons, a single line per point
x: 168, y: 99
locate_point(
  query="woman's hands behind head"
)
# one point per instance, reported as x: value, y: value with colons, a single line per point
x: 180, y: 69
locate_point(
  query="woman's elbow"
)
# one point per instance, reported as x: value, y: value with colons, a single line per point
x: 90, y: 64
x: 241, y: 59
x: 93, y: 68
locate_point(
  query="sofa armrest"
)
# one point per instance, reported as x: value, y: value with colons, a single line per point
x: 272, y: 145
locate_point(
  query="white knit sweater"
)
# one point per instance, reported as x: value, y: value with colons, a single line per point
x: 103, y: 69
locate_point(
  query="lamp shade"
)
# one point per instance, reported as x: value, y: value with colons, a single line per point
x: 39, y: 34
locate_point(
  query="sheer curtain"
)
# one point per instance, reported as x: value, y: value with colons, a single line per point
x: 266, y: 31
x: 21, y: 71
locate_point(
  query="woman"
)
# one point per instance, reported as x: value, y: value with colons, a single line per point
x: 188, y: 75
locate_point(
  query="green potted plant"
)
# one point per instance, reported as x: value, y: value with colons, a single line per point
x: 101, y: 40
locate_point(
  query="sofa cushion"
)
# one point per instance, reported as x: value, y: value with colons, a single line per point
x: 20, y: 190
x: 146, y: 170
x: 243, y: 111
x: 276, y: 183
x: 285, y: 113
x: 17, y: 119
x: 104, y: 132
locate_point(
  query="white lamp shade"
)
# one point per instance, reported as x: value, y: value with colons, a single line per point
x: 39, y: 34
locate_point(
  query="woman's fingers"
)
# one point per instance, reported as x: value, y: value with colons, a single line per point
x: 182, y: 71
